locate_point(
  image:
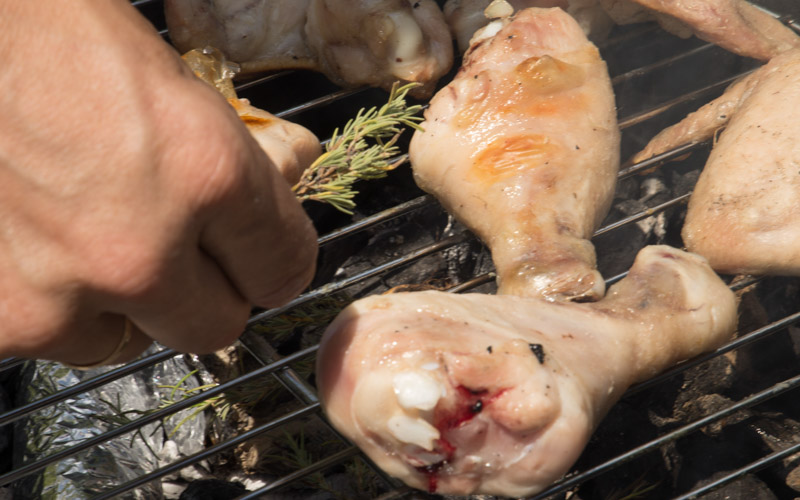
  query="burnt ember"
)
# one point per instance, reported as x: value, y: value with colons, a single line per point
x: 538, y: 351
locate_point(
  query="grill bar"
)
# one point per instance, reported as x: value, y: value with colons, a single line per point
x: 209, y: 452
x: 88, y: 385
x: 280, y: 367
x: 771, y: 459
x: 740, y: 341
x: 748, y: 402
x: 319, y: 466
x: 370, y: 273
x: 152, y: 417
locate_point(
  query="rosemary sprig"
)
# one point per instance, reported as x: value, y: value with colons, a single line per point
x: 365, y: 149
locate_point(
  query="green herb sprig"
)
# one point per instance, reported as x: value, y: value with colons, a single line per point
x: 365, y: 149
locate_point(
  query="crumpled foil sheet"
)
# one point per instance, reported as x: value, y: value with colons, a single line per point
x: 114, y: 462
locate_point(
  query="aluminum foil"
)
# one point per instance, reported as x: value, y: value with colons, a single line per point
x: 114, y: 462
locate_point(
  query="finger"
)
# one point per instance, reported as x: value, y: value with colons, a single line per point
x: 105, y: 340
x: 261, y: 236
x: 192, y: 308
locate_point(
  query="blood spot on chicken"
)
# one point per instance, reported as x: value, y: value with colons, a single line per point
x: 432, y: 472
x: 489, y: 349
x: 537, y: 351
x: 471, y: 402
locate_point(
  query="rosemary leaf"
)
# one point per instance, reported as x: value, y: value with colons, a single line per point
x: 364, y: 149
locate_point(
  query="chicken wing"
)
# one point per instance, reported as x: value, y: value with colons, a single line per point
x: 702, y: 124
x: 744, y: 213
x: 461, y: 394
x: 523, y: 147
x: 735, y: 25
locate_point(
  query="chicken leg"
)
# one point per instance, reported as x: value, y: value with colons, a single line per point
x: 354, y: 43
x: 461, y: 394
x: 291, y: 147
x: 523, y: 147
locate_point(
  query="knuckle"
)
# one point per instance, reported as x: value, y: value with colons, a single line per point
x: 222, y: 176
x: 220, y: 168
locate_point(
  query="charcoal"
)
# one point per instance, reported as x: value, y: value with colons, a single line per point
x: 212, y: 489
x: 747, y: 487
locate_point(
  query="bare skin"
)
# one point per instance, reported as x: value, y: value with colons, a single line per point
x: 115, y: 202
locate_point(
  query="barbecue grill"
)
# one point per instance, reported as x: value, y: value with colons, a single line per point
x: 724, y: 425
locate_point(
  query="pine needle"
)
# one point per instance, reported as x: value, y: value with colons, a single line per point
x: 365, y: 149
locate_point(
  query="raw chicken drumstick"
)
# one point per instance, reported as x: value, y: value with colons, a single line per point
x: 744, y: 213
x: 291, y: 147
x: 461, y: 394
x: 523, y: 147
x: 355, y: 43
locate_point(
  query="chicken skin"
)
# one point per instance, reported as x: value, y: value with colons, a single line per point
x: 378, y: 42
x: 523, y: 147
x: 354, y: 43
x: 463, y: 394
x: 744, y: 214
x: 260, y: 35
x: 291, y: 147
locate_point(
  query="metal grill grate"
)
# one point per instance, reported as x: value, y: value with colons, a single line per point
x: 658, y: 79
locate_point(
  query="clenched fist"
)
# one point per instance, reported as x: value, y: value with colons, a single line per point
x: 129, y: 189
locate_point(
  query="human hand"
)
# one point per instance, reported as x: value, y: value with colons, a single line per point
x: 129, y: 189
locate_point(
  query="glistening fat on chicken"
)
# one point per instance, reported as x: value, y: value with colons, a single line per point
x: 497, y: 394
x: 523, y: 147
x: 744, y: 213
x: 354, y: 43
